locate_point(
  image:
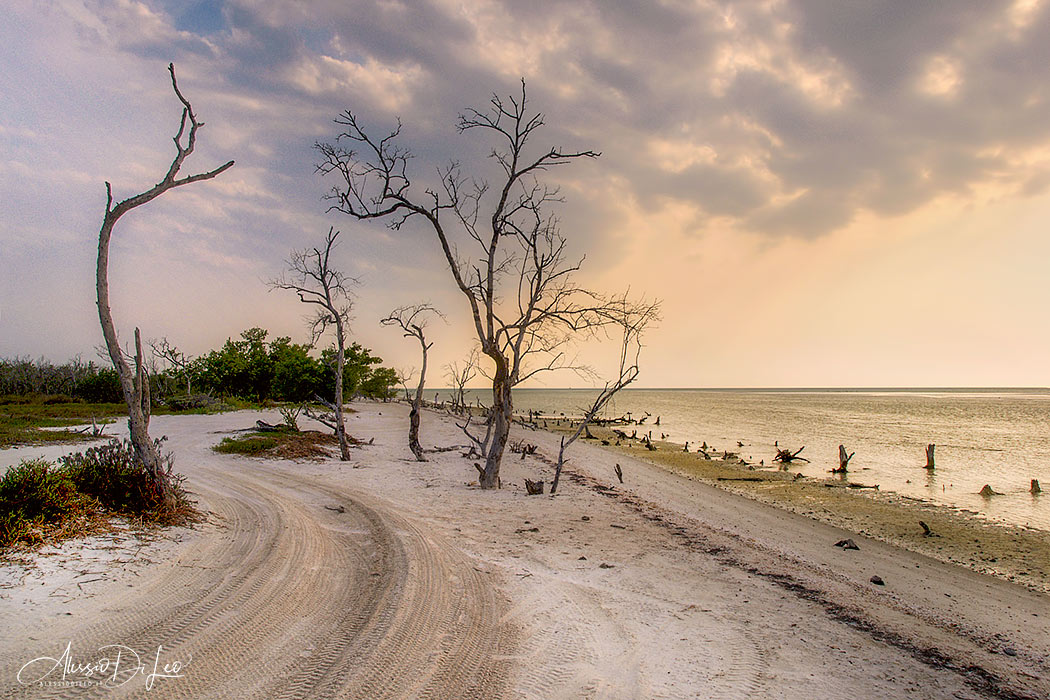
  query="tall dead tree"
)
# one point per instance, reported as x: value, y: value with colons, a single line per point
x: 311, y: 276
x: 633, y: 320
x: 412, y: 320
x: 135, y: 384
x: 519, y: 282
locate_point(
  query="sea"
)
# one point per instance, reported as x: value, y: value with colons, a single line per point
x: 998, y: 437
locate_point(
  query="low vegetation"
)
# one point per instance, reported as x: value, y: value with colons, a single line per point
x: 283, y: 444
x: 41, y: 501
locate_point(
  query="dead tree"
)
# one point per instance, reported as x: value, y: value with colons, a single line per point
x: 135, y: 384
x: 311, y: 276
x: 929, y: 456
x: 520, y: 283
x: 180, y: 361
x: 633, y: 319
x: 459, y: 376
x: 787, y: 456
x: 412, y: 320
x: 843, y: 460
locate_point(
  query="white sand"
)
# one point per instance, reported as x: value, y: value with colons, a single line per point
x: 705, y: 594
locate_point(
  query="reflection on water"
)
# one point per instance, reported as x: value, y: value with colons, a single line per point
x: 999, y: 437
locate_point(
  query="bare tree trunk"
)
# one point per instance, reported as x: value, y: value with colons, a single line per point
x: 502, y: 416
x: 135, y: 387
x: 413, y: 417
x: 340, y: 361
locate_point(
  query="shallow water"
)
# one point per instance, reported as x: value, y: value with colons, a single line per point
x: 999, y: 437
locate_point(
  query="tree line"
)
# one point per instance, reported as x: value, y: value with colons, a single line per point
x: 249, y: 367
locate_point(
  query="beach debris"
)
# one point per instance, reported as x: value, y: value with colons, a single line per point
x: 603, y: 565
x: 585, y: 518
x: 1034, y: 489
x: 619, y: 472
x: 798, y: 476
x: 847, y: 544
x: 929, y: 456
x: 926, y: 531
x: 739, y: 443
x: 582, y: 559
x: 987, y: 491
x: 740, y: 478
x: 618, y: 526
x: 877, y: 580
x: 645, y: 418
x: 786, y: 456
x: 337, y: 509
x: 658, y: 420
x: 874, y: 487
x: 843, y: 460
x: 533, y: 488
x: 526, y: 529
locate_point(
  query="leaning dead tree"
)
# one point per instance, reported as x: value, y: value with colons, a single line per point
x: 504, y: 249
x: 135, y: 384
x: 412, y: 320
x: 311, y: 276
x: 843, y: 460
x: 633, y: 320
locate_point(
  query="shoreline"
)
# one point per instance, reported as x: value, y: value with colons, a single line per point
x: 1016, y: 553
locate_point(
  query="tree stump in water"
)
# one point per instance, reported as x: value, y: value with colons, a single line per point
x: 929, y: 456
x: 843, y: 460
x: 987, y: 491
x: 1034, y: 489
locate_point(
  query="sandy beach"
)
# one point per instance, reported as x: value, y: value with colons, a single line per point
x: 386, y: 577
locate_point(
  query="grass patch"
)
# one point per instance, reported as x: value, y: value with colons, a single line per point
x: 43, y: 502
x: 286, y: 444
x: 23, y: 417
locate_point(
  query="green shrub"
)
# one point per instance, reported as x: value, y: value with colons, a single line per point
x: 111, y: 475
x: 33, y: 493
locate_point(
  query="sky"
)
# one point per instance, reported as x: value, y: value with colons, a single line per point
x: 821, y: 193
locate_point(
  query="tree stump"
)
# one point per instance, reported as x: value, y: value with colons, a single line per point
x: 929, y: 456
x: 987, y: 491
x: 533, y: 488
x: 1034, y: 489
x: 843, y: 460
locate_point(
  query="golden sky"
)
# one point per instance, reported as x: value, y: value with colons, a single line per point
x: 822, y: 193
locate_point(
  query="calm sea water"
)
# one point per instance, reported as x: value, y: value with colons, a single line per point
x: 999, y: 437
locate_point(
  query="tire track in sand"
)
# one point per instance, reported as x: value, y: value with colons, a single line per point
x: 289, y: 600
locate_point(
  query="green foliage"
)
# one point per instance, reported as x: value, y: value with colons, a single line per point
x: 111, y: 475
x: 22, y: 416
x: 250, y: 445
x: 285, y: 371
x: 39, y: 497
x: 101, y: 387
x: 33, y: 493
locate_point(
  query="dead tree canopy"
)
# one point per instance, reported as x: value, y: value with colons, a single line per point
x: 312, y: 275
x: 502, y: 245
x: 135, y: 384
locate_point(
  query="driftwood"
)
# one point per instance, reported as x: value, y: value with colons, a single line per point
x: 926, y: 531
x: 1034, y: 489
x: 740, y: 478
x: 847, y: 544
x: 852, y: 486
x: 264, y: 427
x: 787, y: 456
x: 843, y: 460
x: 929, y: 456
x: 619, y: 473
x: 533, y: 488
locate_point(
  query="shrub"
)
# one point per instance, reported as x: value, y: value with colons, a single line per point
x: 32, y: 494
x: 250, y: 445
x: 111, y: 475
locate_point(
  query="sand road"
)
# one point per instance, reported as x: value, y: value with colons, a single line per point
x: 278, y: 597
